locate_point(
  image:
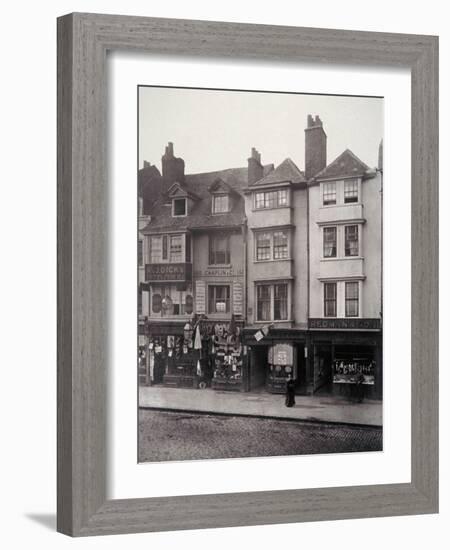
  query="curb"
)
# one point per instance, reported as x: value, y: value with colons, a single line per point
x: 310, y: 420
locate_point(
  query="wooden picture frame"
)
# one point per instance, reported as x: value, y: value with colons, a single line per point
x: 83, y: 41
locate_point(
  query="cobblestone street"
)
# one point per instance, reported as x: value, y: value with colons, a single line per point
x: 189, y: 436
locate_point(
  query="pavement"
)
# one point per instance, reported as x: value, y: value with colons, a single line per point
x: 317, y: 408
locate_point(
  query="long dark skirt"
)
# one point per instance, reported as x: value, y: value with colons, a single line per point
x: 290, y: 395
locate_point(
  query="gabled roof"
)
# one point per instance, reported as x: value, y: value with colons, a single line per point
x: 347, y: 164
x: 200, y: 215
x: 287, y: 172
x: 179, y: 190
x: 220, y: 186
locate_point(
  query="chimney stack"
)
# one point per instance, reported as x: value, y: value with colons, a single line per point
x: 172, y: 167
x: 255, y: 168
x: 315, y: 147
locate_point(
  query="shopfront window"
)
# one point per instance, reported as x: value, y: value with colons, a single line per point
x: 218, y: 299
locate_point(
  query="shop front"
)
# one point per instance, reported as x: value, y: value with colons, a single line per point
x: 347, y: 362
x: 274, y: 358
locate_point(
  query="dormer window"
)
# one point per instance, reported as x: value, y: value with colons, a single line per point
x: 179, y: 207
x: 220, y: 204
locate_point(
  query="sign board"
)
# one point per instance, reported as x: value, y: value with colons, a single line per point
x: 237, y: 298
x: 169, y: 273
x: 200, y: 297
x: 345, y: 323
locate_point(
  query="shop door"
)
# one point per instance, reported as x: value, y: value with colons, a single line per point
x: 258, y: 367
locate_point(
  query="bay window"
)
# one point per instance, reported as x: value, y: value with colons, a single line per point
x: 272, y: 245
x: 272, y: 302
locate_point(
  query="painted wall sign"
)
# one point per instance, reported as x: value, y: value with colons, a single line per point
x: 345, y: 323
x: 168, y: 272
x: 200, y: 297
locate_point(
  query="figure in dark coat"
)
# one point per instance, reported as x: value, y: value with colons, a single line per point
x: 290, y: 392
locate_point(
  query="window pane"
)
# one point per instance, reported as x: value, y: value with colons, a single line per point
x: 329, y: 294
x: 263, y: 302
x: 280, y: 302
x: 263, y: 242
x: 280, y: 245
x: 270, y: 200
x: 350, y: 191
x: 329, y: 242
x: 282, y: 197
x: 220, y: 203
x: 155, y: 249
x: 176, y: 248
x: 329, y: 193
x: 351, y: 240
x: 351, y: 299
x: 219, y: 249
x: 179, y: 207
x: 218, y: 299
x: 164, y: 247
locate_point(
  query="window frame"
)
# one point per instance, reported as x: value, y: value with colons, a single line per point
x: 214, y: 287
x: 165, y: 255
x: 271, y: 199
x: 212, y: 252
x: 325, y: 230
x: 325, y: 193
x: 221, y: 196
x: 327, y: 300
x: 174, y: 200
x: 271, y: 300
x: 348, y: 241
x: 355, y: 189
x: 352, y: 300
x: 272, y: 248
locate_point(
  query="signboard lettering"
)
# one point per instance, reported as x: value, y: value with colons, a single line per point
x: 345, y: 323
x: 168, y: 272
x: 200, y: 297
x: 237, y: 298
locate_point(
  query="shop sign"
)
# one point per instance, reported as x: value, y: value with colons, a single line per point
x: 345, y: 324
x: 237, y: 298
x: 168, y: 272
x: 200, y: 297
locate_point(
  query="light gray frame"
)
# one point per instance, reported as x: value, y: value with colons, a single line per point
x: 83, y: 41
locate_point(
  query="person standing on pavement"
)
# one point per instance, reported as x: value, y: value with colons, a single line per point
x: 290, y: 392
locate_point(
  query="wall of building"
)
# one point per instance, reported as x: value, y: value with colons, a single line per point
x: 233, y: 274
x: 368, y: 269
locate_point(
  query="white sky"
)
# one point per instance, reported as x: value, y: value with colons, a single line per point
x: 215, y: 129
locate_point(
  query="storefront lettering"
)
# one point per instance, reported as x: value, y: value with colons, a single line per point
x: 349, y: 324
x: 168, y: 272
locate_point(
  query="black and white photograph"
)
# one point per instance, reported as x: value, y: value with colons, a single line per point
x: 259, y: 273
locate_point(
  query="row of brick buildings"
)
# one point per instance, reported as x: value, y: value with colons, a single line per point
x: 249, y: 275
